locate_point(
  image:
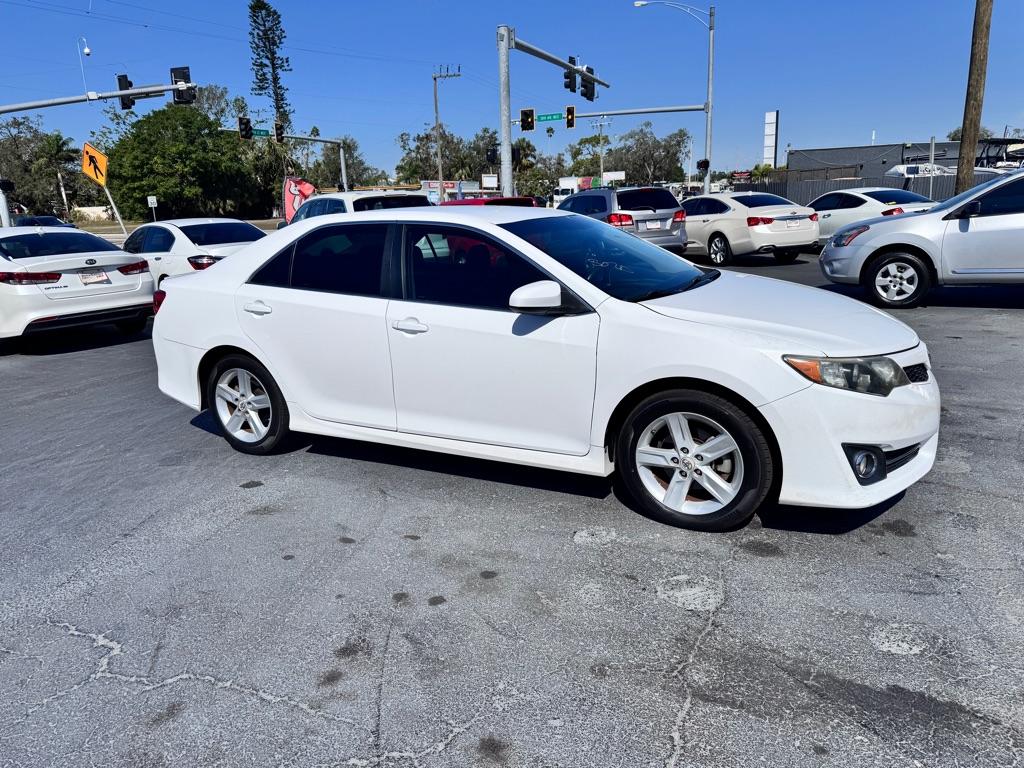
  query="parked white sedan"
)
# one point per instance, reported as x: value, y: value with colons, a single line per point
x: 181, y: 246
x: 842, y: 208
x: 721, y: 226
x: 55, y: 277
x: 550, y: 339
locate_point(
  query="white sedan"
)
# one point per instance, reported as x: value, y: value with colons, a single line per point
x: 55, y: 277
x: 550, y: 339
x: 839, y: 209
x: 181, y: 246
x: 730, y: 224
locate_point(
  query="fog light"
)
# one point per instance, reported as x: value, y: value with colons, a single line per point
x: 867, y: 462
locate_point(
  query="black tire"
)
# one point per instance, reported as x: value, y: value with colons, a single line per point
x: 909, y: 280
x: 276, y: 430
x: 787, y: 256
x: 758, y: 469
x: 722, y: 257
x: 132, y: 327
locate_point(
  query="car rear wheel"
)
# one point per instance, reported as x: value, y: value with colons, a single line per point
x: 897, y: 280
x: 248, y: 405
x: 694, y: 460
x: 719, y: 250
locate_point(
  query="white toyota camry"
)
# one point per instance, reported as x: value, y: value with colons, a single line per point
x: 550, y: 339
x: 54, y: 277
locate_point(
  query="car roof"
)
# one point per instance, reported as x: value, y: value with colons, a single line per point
x: 367, y: 193
x: 190, y: 222
x: 12, y: 231
x: 450, y: 214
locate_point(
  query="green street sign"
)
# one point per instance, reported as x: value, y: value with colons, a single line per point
x: 263, y: 132
x: 550, y: 117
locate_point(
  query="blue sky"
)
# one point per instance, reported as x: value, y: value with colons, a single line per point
x: 837, y: 69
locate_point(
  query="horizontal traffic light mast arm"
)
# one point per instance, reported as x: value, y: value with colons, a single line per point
x: 540, y: 53
x: 147, y: 90
x: 334, y: 142
x: 638, y: 111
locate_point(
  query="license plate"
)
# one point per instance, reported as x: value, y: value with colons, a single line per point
x: 653, y: 225
x: 94, y: 277
x: 792, y: 223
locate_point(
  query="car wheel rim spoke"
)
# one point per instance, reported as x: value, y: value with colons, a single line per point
x: 689, y: 463
x: 243, y: 405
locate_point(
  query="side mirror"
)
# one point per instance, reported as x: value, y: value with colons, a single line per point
x: 282, y: 224
x: 543, y: 297
x: 6, y: 185
x: 971, y: 210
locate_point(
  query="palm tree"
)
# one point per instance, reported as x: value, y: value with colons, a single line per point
x: 55, y: 154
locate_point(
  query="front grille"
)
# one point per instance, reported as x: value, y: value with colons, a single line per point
x: 917, y: 373
x: 896, y: 459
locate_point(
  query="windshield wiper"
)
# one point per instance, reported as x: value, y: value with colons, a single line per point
x: 696, y: 282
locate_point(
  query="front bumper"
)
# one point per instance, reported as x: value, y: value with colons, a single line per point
x: 844, y: 265
x: 811, y: 426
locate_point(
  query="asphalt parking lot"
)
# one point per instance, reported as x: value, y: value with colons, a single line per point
x: 167, y: 601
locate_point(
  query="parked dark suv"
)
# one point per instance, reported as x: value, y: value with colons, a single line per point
x: 652, y: 213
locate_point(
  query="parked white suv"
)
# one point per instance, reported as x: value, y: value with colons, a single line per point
x: 971, y: 239
x: 354, y: 202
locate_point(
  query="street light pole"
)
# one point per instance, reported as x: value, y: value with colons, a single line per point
x: 710, y: 24
x: 81, y: 41
x: 437, y: 127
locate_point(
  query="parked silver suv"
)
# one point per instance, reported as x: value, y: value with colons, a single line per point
x: 652, y: 213
x: 971, y: 239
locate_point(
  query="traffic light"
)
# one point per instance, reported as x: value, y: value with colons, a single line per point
x: 492, y: 154
x: 245, y: 128
x: 526, y: 119
x: 569, y: 78
x: 587, y: 88
x: 124, y: 84
x: 570, y: 116
x: 703, y: 165
x: 182, y: 75
x: 279, y: 132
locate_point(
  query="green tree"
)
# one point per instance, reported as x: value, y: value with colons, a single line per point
x: 266, y: 37
x: 419, y: 156
x: 645, y: 158
x: 984, y: 133
x: 585, y: 155
x: 326, y: 171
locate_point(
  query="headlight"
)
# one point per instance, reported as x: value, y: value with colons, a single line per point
x: 870, y: 375
x: 845, y: 237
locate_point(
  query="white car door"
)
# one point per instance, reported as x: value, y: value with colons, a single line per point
x: 157, y: 248
x: 466, y: 367
x: 829, y: 215
x: 317, y: 311
x: 987, y: 247
x: 696, y: 226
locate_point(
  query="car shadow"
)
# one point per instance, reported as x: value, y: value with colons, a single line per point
x: 826, y: 521
x: 64, y: 341
x: 966, y: 297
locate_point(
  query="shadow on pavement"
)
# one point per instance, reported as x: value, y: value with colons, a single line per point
x: 822, y: 520
x: 978, y: 297
x: 61, y: 342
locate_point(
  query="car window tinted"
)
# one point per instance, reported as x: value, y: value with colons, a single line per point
x: 333, y: 205
x: 826, y: 202
x: 344, y: 258
x: 307, y: 210
x: 896, y: 196
x: 712, y: 207
x: 277, y: 271
x: 761, y: 200
x: 694, y: 207
x: 655, y: 199
x: 588, y: 204
x: 158, y: 240
x: 620, y: 264
x: 32, y: 244
x: 1006, y: 199
x: 456, y: 266
x: 134, y: 242
x: 222, y: 232
x: 375, y: 203
x: 957, y: 200
x: 849, y: 201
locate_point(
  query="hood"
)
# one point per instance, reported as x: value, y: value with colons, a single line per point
x: 220, y: 250
x: 807, y: 318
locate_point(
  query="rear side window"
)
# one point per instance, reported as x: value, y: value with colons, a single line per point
x: 827, y: 203
x: 652, y: 199
x: 761, y: 200
x: 712, y: 206
x: 222, y: 232
x: 896, y: 196
x: 158, y: 240
x: 332, y: 205
x: 134, y: 242
x: 33, y: 244
x: 588, y: 204
x: 694, y: 207
x: 277, y: 271
x: 346, y: 258
x: 374, y: 203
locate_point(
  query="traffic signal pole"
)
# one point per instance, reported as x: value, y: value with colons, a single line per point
x: 147, y: 90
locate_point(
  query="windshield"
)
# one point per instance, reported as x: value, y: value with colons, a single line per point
x: 953, y: 202
x: 896, y: 196
x: 222, y: 232
x: 377, y: 203
x: 760, y: 200
x: 32, y: 245
x: 618, y: 263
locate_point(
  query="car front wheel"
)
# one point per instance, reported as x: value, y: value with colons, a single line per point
x: 694, y: 460
x: 897, y: 280
x: 248, y: 405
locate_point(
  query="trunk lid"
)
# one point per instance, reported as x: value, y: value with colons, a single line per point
x: 82, y: 274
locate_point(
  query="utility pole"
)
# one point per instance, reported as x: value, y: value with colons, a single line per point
x: 600, y: 124
x: 441, y: 75
x: 707, y: 121
x: 975, y: 94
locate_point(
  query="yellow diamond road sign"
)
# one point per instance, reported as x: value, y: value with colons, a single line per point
x: 94, y: 164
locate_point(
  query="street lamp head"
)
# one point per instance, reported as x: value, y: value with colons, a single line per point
x: 87, y: 51
x: 639, y: 3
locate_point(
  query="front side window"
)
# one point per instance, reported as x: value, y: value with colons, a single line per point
x: 382, y: 202
x: 33, y: 244
x: 158, y: 240
x: 345, y: 258
x: 1004, y: 200
x: 333, y: 205
x: 620, y: 264
x: 307, y: 210
x: 448, y: 265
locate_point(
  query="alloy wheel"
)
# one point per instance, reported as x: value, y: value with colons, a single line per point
x: 243, y: 405
x: 717, y: 250
x: 689, y: 463
x: 896, y: 281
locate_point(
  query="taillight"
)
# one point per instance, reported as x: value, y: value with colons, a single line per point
x: 201, y: 262
x: 135, y: 268
x: 620, y: 219
x: 678, y: 216
x: 892, y: 211
x: 813, y: 217
x: 158, y: 299
x: 753, y: 221
x: 29, y: 278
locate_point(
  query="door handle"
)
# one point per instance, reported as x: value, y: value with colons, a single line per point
x: 157, y: 258
x: 410, y: 325
x: 826, y: 215
x: 257, y: 308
